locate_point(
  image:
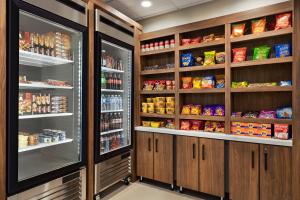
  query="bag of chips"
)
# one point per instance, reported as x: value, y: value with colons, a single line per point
x: 187, y: 60
x: 284, y: 113
x: 208, y: 110
x: 220, y: 57
x: 283, y: 21
x: 185, y: 125
x: 238, y: 29
x: 239, y: 54
x: 219, y: 110
x: 208, y: 82
x: 196, y: 110
x: 259, y: 25
x: 197, y: 83
x: 209, y: 126
x: 170, y: 124
x: 220, y: 127
x: 267, y: 114
x: 186, y: 110
x: 283, y: 50
x: 220, y: 81
x: 209, y: 58
x: 261, y: 52
x: 187, y: 82
x: 196, y: 125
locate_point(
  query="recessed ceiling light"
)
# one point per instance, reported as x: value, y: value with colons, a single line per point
x: 146, y: 4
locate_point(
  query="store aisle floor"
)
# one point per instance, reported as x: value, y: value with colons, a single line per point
x: 138, y: 191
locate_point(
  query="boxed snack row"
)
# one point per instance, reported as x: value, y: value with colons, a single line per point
x: 200, y: 39
x: 260, y: 25
x: 209, y: 58
x: 208, y: 126
x: 159, y: 85
x: 169, y: 123
x: 158, y: 45
x: 244, y: 84
x: 159, y: 105
x: 217, y: 81
x: 280, y: 113
x: 208, y: 110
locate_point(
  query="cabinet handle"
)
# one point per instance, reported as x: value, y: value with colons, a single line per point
x: 149, y: 144
x: 253, y: 160
x: 194, y: 151
x: 203, y: 152
x: 266, y: 158
x: 156, y: 145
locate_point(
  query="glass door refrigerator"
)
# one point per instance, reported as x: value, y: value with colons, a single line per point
x: 47, y: 70
x: 113, y: 99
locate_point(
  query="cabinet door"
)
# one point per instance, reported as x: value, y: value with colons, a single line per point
x: 163, y: 158
x: 243, y: 171
x: 275, y: 173
x: 144, y: 149
x: 187, y: 162
x: 211, y: 167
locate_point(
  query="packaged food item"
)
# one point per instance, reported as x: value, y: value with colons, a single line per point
x: 160, y: 85
x: 172, y: 44
x: 281, y: 131
x: 220, y: 81
x: 169, y: 85
x: 220, y: 57
x: 167, y: 44
x: 219, y: 37
x: 209, y: 58
x: 186, y: 110
x: 208, y: 110
x: 209, y: 38
x: 197, y: 82
x: 170, y: 104
x: 170, y: 99
x: 283, y: 50
x: 196, y: 109
x: 185, y: 41
x: 284, y: 113
x: 239, y: 54
x: 219, y: 110
x: 196, y: 125
x: 267, y: 114
x: 23, y: 140
x: 239, y: 84
x: 149, y: 85
x: 187, y: 82
x: 283, y: 21
x: 150, y: 107
x: 144, y: 107
x: 160, y: 99
x: 209, y: 126
x: 261, y: 53
x: 238, y: 29
x: 236, y: 114
x: 262, y: 84
x: 199, y: 60
x: 251, y: 114
x: 170, y: 124
x: 285, y: 83
x: 161, y: 111
x: 149, y: 100
x: 146, y: 123
x: 155, y: 124
x: 170, y: 111
x: 187, y: 60
x: 185, y: 125
x: 161, y: 45
x: 220, y: 127
x: 208, y: 82
x: 196, y: 40
x: 259, y: 25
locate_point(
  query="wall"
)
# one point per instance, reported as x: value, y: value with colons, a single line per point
x: 204, y: 11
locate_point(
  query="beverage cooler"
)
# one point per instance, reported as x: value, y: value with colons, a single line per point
x: 46, y: 110
x: 113, y: 98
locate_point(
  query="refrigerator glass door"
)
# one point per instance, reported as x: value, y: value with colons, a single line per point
x: 116, y: 91
x: 49, y: 96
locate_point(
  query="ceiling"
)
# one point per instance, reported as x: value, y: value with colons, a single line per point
x: 134, y: 10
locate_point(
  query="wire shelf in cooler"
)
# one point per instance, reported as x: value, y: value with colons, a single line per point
x: 37, y: 86
x: 36, y: 116
x: 112, y: 90
x: 44, y: 145
x: 111, y: 131
x: 106, y: 69
x: 114, y: 149
x: 111, y: 111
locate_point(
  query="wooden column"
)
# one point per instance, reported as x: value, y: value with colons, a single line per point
x: 227, y: 77
x: 3, y: 99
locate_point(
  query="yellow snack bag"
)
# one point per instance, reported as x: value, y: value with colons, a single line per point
x: 197, y: 83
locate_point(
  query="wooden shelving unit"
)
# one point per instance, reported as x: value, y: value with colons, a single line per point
x: 157, y: 115
x: 157, y: 71
x: 155, y: 52
x: 269, y: 61
x: 202, y: 117
x: 204, y: 90
x: 200, y: 68
x: 157, y: 92
x: 262, y: 121
x: 203, y: 44
x: 263, y: 89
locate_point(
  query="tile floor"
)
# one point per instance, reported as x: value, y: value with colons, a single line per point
x: 144, y: 191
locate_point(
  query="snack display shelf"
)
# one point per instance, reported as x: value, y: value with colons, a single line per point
x: 200, y: 68
x: 157, y: 71
x: 262, y: 121
x: 262, y: 35
x: 203, y: 44
x: 112, y: 90
x: 204, y: 90
x: 39, y: 60
x: 157, y: 92
x: 269, y: 61
x: 110, y: 111
x: 35, y: 85
x: 264, y: 89
x: 36, y: 116
x: 158, y: 51
x: 214, y: 135
x: 157, y: 115
x: 44, y: 145
x: 106, y: 69
x: 111, y: 131
x: 202, y: 117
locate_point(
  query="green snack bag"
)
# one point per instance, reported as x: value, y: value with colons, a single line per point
x: 261, y: 53
x: 209, y: 58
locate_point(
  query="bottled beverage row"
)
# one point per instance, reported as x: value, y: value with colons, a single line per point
x: 111, y: 81
x: 111, y: 102
x: 111, y: 121
x: 110, y: 62
x: 112, y: 141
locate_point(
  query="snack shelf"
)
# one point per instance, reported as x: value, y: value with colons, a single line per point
x: 157, y: 115
x: 200, y: 68
x: 157, y: 92
x: 157, y: 71
x: 111, y: 111
x: 214, y: 135
x: 264, y: 89
x: 35, y: 85
x: 39, y: 60
x: 261, y: 120
x: 106, y: 69
x: 203, y: 44
x: 44, y: 115
x: 160, y: 51
x: 111, y: 90
x: 262, y: 35
x: 203, y: 117
x: 111, y: 131
x: 44, y: 145
x: 204, y: 90
x: 269, y: 61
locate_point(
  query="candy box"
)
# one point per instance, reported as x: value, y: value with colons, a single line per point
x: 281, y: 131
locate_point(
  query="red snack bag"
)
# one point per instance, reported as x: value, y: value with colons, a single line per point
x: 281, y: 131
x: 259, y: 25
x: 185, y: 125
x: 283, y: 21
x: 196, y: 40
x: 238, y: 30
x: 197, y: 125
x: 239, y: 54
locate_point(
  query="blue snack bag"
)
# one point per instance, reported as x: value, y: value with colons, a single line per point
x: 283, y: 50
x: 187, y: 59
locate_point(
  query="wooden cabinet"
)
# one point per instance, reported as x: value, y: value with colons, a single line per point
x: 187, y: 163
x: 211, y: 167
x: 163, y: 158
x: 144, y: 148
x: 243, y: 171
x: 275, y: 173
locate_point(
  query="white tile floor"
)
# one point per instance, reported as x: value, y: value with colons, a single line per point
x: 143, y: 191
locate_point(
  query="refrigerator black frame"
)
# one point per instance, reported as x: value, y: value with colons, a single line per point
x: 97, y: 95
x: 13, y: 185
